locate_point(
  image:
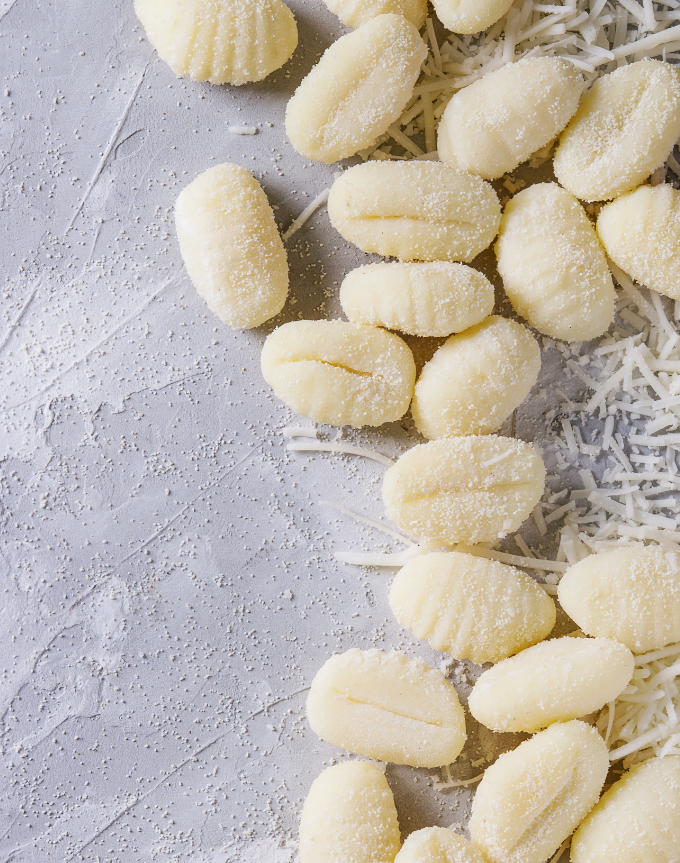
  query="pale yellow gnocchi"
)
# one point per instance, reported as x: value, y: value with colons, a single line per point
x: 470, y: 16
x: 357, y: 90
x: 354, y: 13
x: 389, y: 707
x: 437, y: 845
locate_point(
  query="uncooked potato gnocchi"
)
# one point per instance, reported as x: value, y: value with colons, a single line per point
x: 357, y: 90
x: 434, y: 299
x: 386, y: 706
x: 470, y: 16
x: 641, y: 233
x: 629, y: 594
x: 464, y: 489
x: 553, y: 267
x: 551, y: 682
x: 231, y: 246
x: 437, y: 845
x: 622, y: 132
x: 339, y: 373
x: 354, y: 13
x: 221, y: 41
x: 471, y: 607
x: 476, y: 379
x: 415, y: 211
x: 496, y: 123
x: 531, y: 799
x: 349, y: 817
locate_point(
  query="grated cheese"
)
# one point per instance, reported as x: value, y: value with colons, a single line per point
x: 307, y: 213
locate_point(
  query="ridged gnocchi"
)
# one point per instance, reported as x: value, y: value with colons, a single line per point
x: 221, y: 41
x: 464, y: 489
x: 622, y: 132
x: 349, y: 817
x: 552, y: 264
x: 531, y: 799
x: 434, y: 299
x: 339, y: 373
x: 357, y: 90
x: 388, y: 707
x: 414, y: 211
x: 553, y: 681
x: 470, y: 16
x: 476, y: 379
x: 496, y: 123
x: 471, y: 607
x: 354, y: 13
x: 437, y: 845
x: 231, y: 246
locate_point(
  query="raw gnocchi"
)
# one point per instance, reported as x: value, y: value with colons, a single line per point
x: 629, y: 594
x: 551, y: 682
x: 357, y: 90
x: 434, y: 299
x: 415, y: 211
x: 641, y: 233
x: 221, y: 41
x: 354, y: 13
x: 386, y: 706
x: 231, y: 246
x: 470, y: 16
x: 637, y: 820
x: 496, y: 123
x: 437, y: 845
x: 531, y: 799
x: 622, y: 132
x: 349, y: 817
x: 464, y: 489
x: 553, y: 267
x: 476, y: 379
x: 471, y: 607
x: 339, y: 373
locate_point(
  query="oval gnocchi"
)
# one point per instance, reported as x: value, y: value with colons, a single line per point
x: 470, y: 16
x: 354, y: 13
x: 437, y: 845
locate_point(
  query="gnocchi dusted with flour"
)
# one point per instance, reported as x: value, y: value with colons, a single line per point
x: 531, y: 799
x: 476, y: 379
x: 231, y: 246
x: 414, y: 211
x: 437, y: 845
x: 357, y: 90
x: 386, y: 706
x: 339, y: 373
x: 349, y: 817
x: 496, y: 123
x: 354, y: 13
x: 470, y: 16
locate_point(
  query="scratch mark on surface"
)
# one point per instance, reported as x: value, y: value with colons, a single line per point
x: 9, y: 9
x: 18, y: 318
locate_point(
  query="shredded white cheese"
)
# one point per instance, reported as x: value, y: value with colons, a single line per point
x: 307, y: 213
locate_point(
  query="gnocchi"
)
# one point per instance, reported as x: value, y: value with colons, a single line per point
x: 221, y: 41
x: 357, y: 90
x: 471, y: 607
x: 386, y: 706
x: 231, y: 246
x: 496, y: 123
x: 434, y: 299
x: 464, y: 489
x: 437, y: 845
x: 354, y: 13
x: 551, y: 682
x: 339, y: 373
x: 414, y: 211
x: 531, y: 799
x: 553, y: 267
x: 349, y: 817
x: 476, y: 380
x: 622, y: 132
x: 470, y: 16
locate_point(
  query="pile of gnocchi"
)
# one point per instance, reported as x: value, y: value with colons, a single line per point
x: 466, y: 485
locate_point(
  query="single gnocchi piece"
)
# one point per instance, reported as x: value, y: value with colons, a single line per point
x: 637, y: 820
x: 388, y: 707
x: 354, y: 13
x: 339, y: 373
x: 629, y: 594
x: 531, y: 799
x: 357, y: 90
x: 231, y: 246
x: 464, y: 489
x: 437, y: 845
x: 221, y: 41
x: 349, y: 817
x: 476, y: 379
x: 553, y: 267
x: 551, y: 682
x: 641, y: 233
x: 434, y: 299
x: 495, y: 124
x: 471, y: 607
x: 414, y: 211
x: 622, y: 132
x: 470, y: 16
